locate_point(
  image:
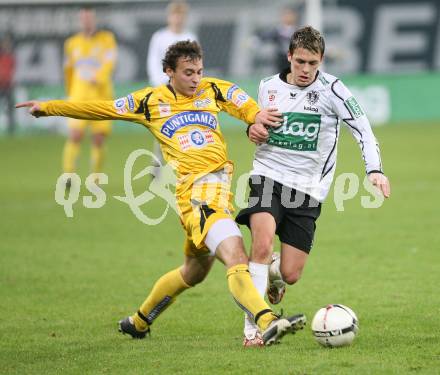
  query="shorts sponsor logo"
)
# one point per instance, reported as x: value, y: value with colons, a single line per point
x: 354, y: 107
x: 120, y: 105
x: 299, y: 132
x: 130, y: 102
x: 188, y: 118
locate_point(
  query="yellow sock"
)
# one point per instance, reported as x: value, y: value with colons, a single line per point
x: 97, y: 158
x: 70, y: 154
x: 163, y: 294
x: 247, y: 297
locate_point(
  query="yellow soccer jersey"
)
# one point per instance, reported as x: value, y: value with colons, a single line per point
x: 187, y: 128
x: 88, y: 65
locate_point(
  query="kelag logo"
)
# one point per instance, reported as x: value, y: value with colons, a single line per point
x: 299, y: 132
x: 354, y: 107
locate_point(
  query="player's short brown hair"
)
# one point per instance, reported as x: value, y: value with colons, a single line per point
x: 187, y: 48
x: 308, y: 38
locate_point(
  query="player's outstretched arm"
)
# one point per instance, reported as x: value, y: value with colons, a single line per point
x: 381, y: 182
x: 34, y: 107
x: 118, y: 109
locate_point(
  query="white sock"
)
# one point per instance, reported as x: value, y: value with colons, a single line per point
x: 259, y: 273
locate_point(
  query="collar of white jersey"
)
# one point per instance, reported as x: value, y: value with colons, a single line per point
x: 283, y: 78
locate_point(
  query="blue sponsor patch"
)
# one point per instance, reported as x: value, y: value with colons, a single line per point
x: 197, y: 138
x: 183, y: 119
x: 119, y: 105
x: 231, y: 91
x: 130, y: 102
x: 243, y: 97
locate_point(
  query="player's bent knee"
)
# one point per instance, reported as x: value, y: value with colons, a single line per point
x: 194, y: 274
x: 291, y: 277
x: 261, y: 252
x: 77, y: 138
x: 76, y: 135
x: 98, y: 139
x: 261, y: 247
x: 193, y: 280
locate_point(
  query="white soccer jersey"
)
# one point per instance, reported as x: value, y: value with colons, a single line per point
x: 160, y: 41
x: 301, y: 153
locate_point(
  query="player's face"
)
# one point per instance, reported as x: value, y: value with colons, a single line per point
x: 288, y: 17
x: 186, y: 78
x: 87, y: 19
x: 176, y: 20
x: 303, y: 66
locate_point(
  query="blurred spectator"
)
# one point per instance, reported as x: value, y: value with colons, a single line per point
x: 89, y: 61
x: 280, y: 36
x: 175, y: 31
x: 7, y: 70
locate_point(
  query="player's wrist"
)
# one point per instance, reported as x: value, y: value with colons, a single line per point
x: 248, y: 129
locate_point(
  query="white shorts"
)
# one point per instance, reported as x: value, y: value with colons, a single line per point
x: 220, y: 230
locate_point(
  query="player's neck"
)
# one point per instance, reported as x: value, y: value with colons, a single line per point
x: 175, y: 29
x: 89, y: 33
x: 176, y: 92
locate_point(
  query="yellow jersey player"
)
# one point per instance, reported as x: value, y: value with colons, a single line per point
x: 89, y: 60
x: 182, y: 116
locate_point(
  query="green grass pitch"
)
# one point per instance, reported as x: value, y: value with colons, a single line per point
x: 65, y: 282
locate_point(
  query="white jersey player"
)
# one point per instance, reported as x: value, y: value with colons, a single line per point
x: 294, y: 164
x: 301, y: 153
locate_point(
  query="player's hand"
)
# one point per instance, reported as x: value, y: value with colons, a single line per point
x: 381, y: 182
x: 34, y: 107
x: 269, y: 117
x: 258, y: 133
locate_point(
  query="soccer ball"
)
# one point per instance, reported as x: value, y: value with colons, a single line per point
x: 335, y: 325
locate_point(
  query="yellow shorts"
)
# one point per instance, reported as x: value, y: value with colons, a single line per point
x: 209, y: 200
x: 96, y: 127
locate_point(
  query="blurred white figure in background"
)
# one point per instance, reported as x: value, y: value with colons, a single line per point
x: 175, y: 31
